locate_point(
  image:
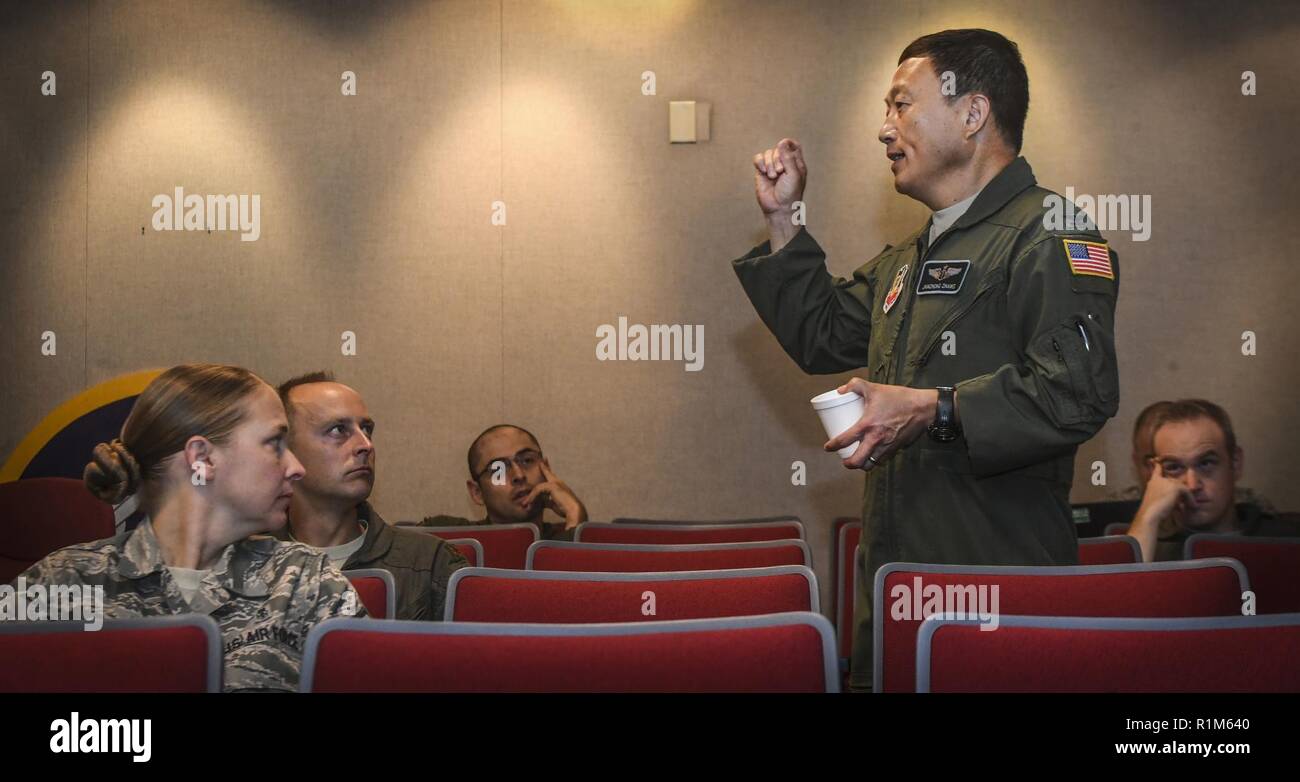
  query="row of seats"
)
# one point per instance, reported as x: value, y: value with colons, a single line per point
x: 1270, y: 562
x: 512, y: 545
x: 794, y: 652
x: 56, y: 512
x: 1167, y: 590
x: 783, y: 652
x: 707, y: 572
x: 506, y: 595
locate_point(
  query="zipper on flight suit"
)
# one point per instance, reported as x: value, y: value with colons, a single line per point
x: 911, y: 300
x: 937, y: 334
x: 888, y: 531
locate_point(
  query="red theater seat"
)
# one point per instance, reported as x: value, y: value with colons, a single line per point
x: 1074, y: 654
x: 791, y: 652
x: 1209, y: 587
x: 686, y: 534
x: 152, y: 654
x: 846, y: 549
x: 42, y: 515
x: 1273, y: 565
x: 628, y: 558
x: 755, y: 520
x: 470, y: 549
x: 1110, y: 550
x: 504, y: 545
x: 490, y: 595
x: 377, y: 590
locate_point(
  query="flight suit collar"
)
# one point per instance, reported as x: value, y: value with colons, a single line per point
x: 1010, y: 182
x: 378, y: 538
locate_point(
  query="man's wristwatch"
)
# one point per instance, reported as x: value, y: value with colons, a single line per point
x: 945, y: 428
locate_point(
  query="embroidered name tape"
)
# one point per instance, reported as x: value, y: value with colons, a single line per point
x: 1089, y: 258
x: 941, y: 277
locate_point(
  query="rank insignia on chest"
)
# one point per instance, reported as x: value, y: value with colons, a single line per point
x: 896, y: 288
x: 941, y: 277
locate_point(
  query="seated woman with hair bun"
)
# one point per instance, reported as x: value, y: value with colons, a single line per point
x: 204, y: 450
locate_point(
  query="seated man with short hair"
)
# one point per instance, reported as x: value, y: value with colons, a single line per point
x: 1143, y: 464
x: 511, y: 479
x: 1195, y: 469
x: 330, y: 432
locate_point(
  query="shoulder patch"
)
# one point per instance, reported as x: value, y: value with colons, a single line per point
x: 1088, y: 258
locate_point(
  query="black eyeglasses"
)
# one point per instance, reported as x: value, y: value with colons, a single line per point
x: 524, y: 460
x: 1207, y: 467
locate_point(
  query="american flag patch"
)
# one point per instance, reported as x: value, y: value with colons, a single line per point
x: 1089, y: 258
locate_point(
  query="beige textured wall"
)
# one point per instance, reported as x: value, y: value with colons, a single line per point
x: 375, y: 217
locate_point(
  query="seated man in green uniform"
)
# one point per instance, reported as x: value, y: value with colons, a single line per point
x: 331, y: 432
x: 511, y: 479
x: 985, y: 339
x: 1144, y: 462
x: 1195, y: 468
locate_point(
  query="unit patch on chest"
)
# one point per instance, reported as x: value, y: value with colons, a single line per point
x: 896, y: 288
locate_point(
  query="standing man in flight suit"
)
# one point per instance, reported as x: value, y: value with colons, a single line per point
x: 987, y: 336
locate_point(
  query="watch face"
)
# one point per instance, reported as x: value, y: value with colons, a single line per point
x: 943, y: 434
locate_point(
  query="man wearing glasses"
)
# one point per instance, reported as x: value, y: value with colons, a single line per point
x: 511, y: 479
x: 1193, y: 481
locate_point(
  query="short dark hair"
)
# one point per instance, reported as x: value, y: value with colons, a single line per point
x: 1190, y: 410
x: 1146, y: 420
x: 473, y: 454
x: 986, y: 62
x: 319, y: 376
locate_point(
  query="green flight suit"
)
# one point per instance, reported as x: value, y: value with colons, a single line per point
x: 996, y: 308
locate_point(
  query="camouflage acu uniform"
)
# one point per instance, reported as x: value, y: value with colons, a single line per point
x: 265, y: 596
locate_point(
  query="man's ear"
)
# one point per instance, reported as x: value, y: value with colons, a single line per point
x: 978, y: 112
x: 199, y: 460
x: 1238, y: 464
x: 475, y: 493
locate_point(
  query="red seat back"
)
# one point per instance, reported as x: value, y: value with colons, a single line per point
x: 1072, y: 654
x: 470, y: 549
x: 627, y: 558
x: 1115, y: 528
x: 772, y: 653
x: 42, y: 515
x: 489, y: 595
x: 687, y: 534
x: 850, y: 534
x: 376, y: 589
x: 153, y: 654
x: 1110, y: 550
x: 752, y: 520
x: 504, y: 545
x: 1209, y: 587
x: 1273, y: 565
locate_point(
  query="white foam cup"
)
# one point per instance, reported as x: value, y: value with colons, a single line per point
x: 839, y: 412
